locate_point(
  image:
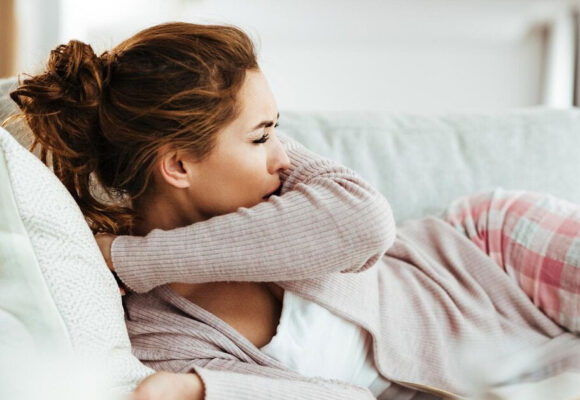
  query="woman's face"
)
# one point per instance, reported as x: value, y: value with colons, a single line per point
x: 244, y: 166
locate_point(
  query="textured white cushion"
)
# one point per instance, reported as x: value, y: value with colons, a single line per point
x: 54, y: 283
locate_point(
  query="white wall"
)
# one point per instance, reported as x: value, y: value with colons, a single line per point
x: 38, y: 24
x: 423, y: 56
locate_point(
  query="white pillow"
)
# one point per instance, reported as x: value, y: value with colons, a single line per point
x: 54, y: 283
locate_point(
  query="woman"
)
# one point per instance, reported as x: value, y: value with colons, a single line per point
x: 257, y: 269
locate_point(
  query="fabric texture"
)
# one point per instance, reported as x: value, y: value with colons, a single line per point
x: 30, y: 322
x: 66, y: 270
x: 437, y: 307
x: 535, y: 239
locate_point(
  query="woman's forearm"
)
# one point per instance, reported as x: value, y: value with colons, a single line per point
x: 327, y: 219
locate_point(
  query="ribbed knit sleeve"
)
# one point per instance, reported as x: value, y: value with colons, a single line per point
x: 226, y: 385
x: 327, y: 219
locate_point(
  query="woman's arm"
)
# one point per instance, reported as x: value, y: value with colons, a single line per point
x: 326, y: 220
x: 232, y: 385
x: 164, y: 385
x: 213, y: 383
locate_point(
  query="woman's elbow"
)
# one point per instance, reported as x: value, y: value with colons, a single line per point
x: 377, y: 236
x: 381, y: 222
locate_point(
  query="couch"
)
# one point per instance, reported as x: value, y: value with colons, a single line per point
x: 420, y: 163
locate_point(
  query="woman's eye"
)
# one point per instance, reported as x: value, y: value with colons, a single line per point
x: 265, y: 136
x: 263, y: 139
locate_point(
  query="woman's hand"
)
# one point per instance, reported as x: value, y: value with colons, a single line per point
x: 164, y: 385
x: 105, y: 240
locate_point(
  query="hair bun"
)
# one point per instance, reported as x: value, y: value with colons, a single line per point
x: 61, y: 107
x: 78, y: 72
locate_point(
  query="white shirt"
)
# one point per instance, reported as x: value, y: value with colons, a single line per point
x: 315, y: 342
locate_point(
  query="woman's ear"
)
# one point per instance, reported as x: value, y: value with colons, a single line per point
x: 176, y: 169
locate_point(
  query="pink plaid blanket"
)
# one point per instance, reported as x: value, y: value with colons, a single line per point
x: 535, y: 238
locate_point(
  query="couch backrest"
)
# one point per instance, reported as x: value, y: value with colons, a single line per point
x: 420, y: 163
x: 7, y: 107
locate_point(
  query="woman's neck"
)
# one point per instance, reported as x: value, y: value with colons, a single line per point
x: 161, y: 212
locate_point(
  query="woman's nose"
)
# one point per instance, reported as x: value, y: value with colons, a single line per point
x: 279, y: 159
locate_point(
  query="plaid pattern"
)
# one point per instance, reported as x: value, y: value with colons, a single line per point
x: 535, y: 238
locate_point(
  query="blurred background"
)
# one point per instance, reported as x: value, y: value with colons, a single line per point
x: 417, y: 56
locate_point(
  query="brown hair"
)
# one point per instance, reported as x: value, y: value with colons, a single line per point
x: 103, y: 119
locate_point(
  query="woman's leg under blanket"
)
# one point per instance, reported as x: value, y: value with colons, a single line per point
x: 535, y: 238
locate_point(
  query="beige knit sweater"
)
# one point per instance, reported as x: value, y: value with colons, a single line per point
x: 423, y: 291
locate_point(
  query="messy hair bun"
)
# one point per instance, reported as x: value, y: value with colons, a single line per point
x: 61, y: 107
x: 101, y: 120
x: 61, y: 104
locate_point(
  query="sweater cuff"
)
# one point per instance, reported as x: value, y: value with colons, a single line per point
x: 130, y: 274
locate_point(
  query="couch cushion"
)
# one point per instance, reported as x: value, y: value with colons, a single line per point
x: 55, y: 284
x: 18, y: 129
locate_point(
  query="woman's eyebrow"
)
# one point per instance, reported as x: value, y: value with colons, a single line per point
x: 266, y: 124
